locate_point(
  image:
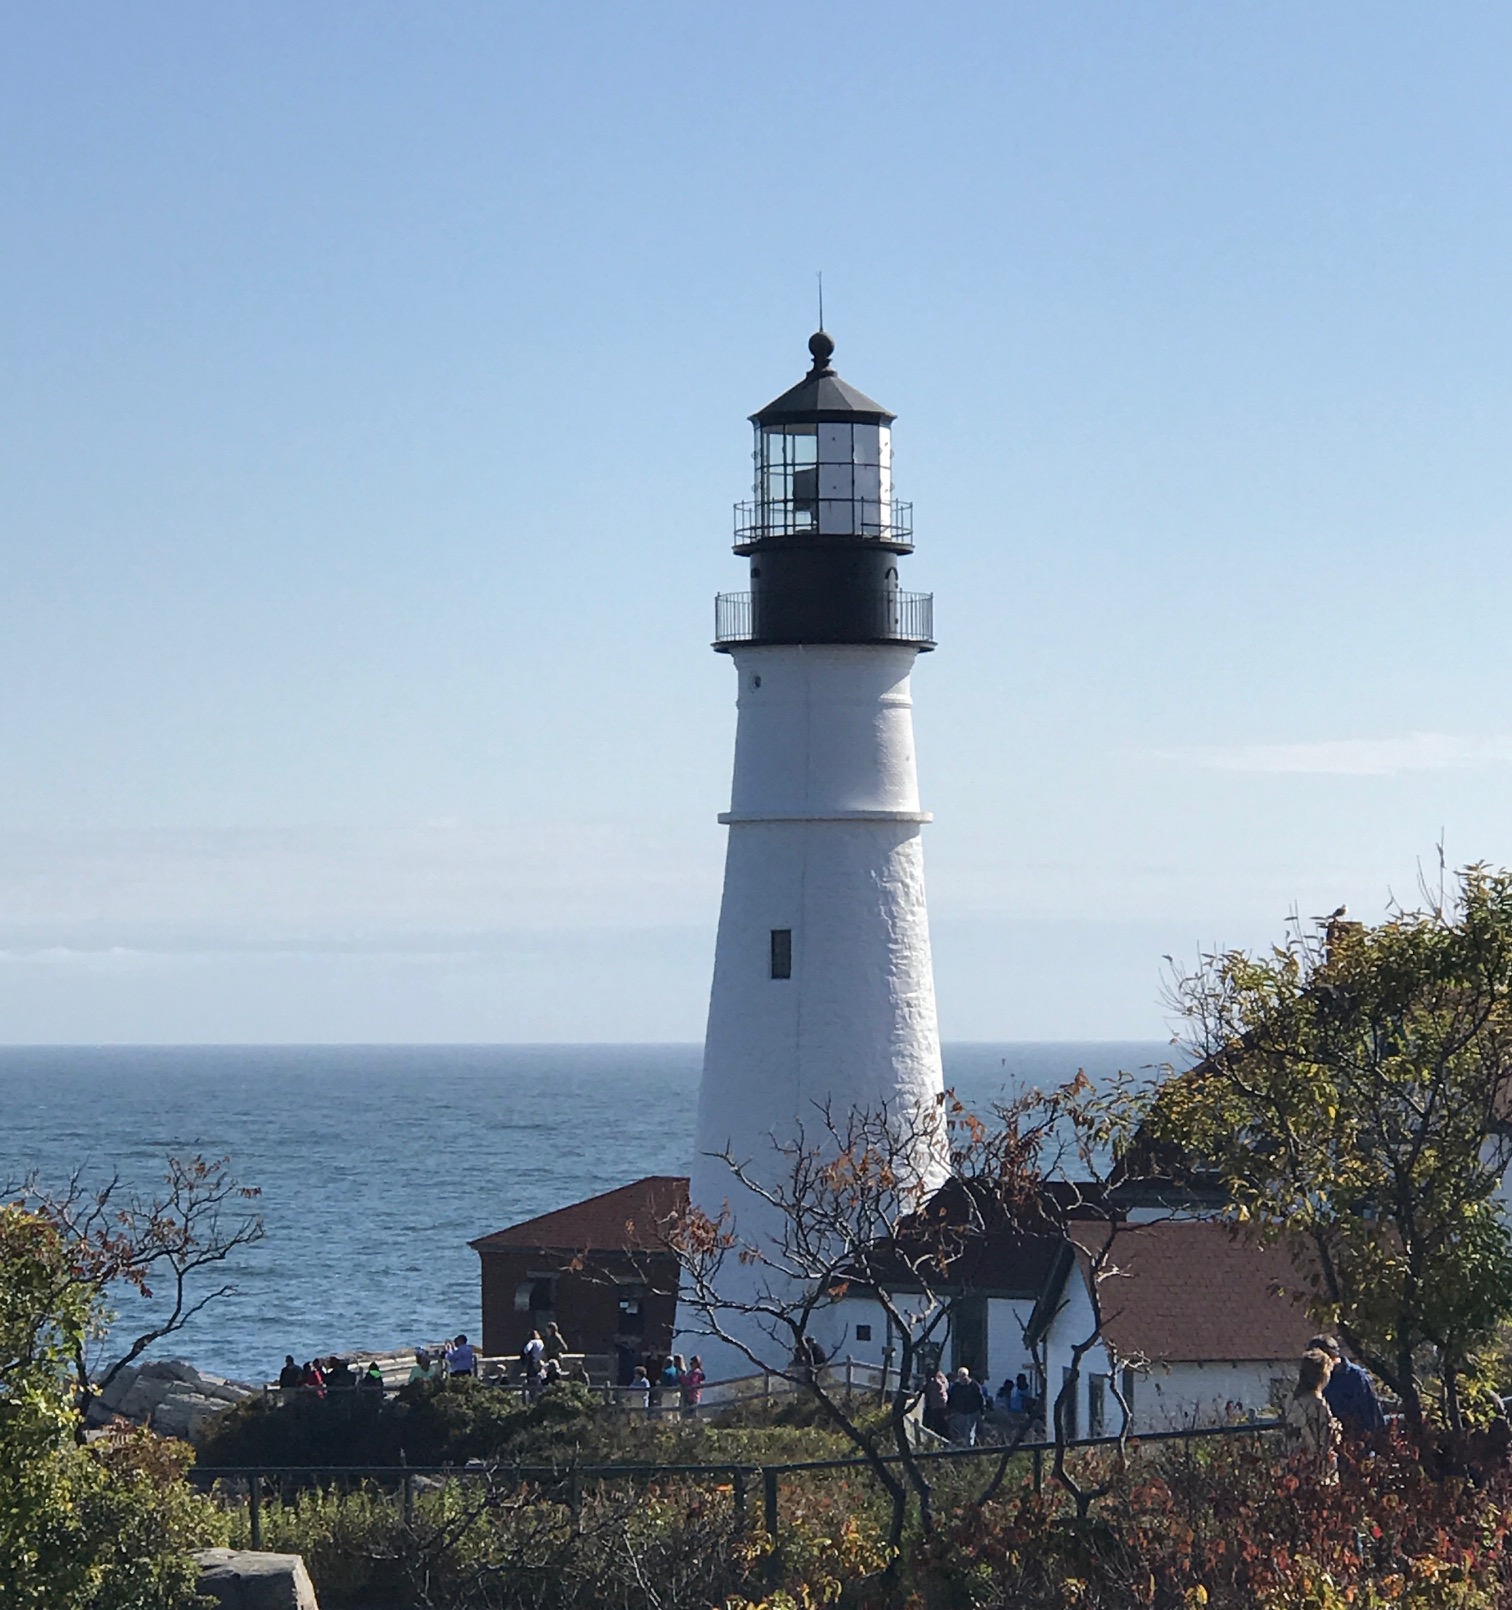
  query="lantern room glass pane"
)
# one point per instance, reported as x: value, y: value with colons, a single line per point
x: 787, y: 478
x: 837, y: 517
x: 835, y: 480
x: 835, y: 444
x: 805, y: 491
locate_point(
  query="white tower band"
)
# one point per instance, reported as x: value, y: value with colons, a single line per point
x: 823, y: 990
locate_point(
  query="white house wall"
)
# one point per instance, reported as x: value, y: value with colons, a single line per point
x: 1166, y: 1396
x: 1072, y: 1322
x: 835, y: 1329
x: 1007, y: 1352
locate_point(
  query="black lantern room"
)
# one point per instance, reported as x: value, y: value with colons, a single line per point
x: 824, y: 533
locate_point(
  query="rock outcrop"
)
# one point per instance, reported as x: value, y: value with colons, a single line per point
x: 169, y: 1396
x: 242, y: 1580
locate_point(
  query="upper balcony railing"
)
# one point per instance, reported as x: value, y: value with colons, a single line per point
x: 888, y: 521
x: 895, y: 617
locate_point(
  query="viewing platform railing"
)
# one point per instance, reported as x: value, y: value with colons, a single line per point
x: 889, y: 521
x: 897, y: 617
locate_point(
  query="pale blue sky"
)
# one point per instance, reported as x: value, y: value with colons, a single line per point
x: 375, y: 382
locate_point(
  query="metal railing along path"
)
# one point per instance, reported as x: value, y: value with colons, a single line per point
x: 742, y: 1478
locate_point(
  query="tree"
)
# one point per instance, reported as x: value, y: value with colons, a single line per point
x: 1350, y: 1096
x: 108, y: 1526
x: 123, y: 1245
x: 844, y: 1208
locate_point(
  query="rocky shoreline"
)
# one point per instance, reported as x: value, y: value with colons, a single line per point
x: 174, y: 1399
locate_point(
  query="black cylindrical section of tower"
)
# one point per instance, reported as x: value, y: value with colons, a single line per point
x: 824, y: 591
x: 823, y: 533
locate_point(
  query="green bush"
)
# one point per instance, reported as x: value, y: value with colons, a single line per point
x: 447, y: 1423
x: 103, y: 1527
x: 475, y: 1545
x: 452, y: 1422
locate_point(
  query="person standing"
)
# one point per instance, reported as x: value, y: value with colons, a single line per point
x: 1350, y: 1393
x: 462, y: 1360
x: 936, y: 1394
x: 1310, y: 1426
x: 554, y: 1343
x: 692, y: 1385
x: 964, y: 1406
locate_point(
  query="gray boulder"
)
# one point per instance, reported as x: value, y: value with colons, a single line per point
x: 242, y: 1580
x: 169, y: 1395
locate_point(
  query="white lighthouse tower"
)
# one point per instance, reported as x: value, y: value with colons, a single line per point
x: 823, y: 988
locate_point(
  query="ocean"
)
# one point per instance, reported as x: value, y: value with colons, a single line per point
x: 378, y: 1164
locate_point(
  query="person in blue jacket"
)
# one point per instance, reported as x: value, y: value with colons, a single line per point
x: 1350, y: 1392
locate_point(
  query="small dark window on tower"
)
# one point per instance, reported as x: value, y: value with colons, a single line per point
x: 782, y: 953
x: 863, y: 1333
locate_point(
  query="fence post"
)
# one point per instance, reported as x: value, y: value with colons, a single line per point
x: 409, y: 1501
x: 1039, y: 1470
x: 738, y: 1486
x: 254, y: 1508
x: 769, y: 1481
x: 575, y: 1501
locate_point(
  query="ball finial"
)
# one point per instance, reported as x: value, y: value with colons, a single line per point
x: 822, y: 349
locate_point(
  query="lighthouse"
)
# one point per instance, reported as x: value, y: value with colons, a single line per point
x: 823, y: 990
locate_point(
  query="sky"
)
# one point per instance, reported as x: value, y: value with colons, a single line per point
x: 374, y: 383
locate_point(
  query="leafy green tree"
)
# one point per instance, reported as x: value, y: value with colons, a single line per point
x: 106, y: 1526
x: 1350, y: 1096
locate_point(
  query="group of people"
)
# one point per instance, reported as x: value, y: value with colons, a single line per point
x: 1334, y: 1400
x: 659, y: 1378
x: 456, y: 1357
x: 955, y: 1407
x: 544, y: 1361
x: 320, y: 1376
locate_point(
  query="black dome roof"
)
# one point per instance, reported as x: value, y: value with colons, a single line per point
x: 822, y: 396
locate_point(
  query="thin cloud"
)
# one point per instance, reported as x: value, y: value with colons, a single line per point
x: 1351, y: 757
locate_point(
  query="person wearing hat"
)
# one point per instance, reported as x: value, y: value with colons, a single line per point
x: 1349, y: 1392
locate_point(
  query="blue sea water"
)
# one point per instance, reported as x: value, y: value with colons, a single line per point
x: 378, y: 1164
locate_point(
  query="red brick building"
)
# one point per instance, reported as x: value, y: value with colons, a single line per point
x: 599, y: 1268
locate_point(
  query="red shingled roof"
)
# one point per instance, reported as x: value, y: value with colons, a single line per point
x: 627, y: 1219
x: 1195, y: 1293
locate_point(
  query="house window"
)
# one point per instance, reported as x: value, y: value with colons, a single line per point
x: 1071, y: 1420
x: 536, y: 1294
x: 782, y: 953
x: 863, y: 1333
x: 1097, y: 1405
x: 632, y: 1315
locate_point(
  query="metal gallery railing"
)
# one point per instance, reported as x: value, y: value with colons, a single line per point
x: 895, y: 617
x: 888, y: 520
